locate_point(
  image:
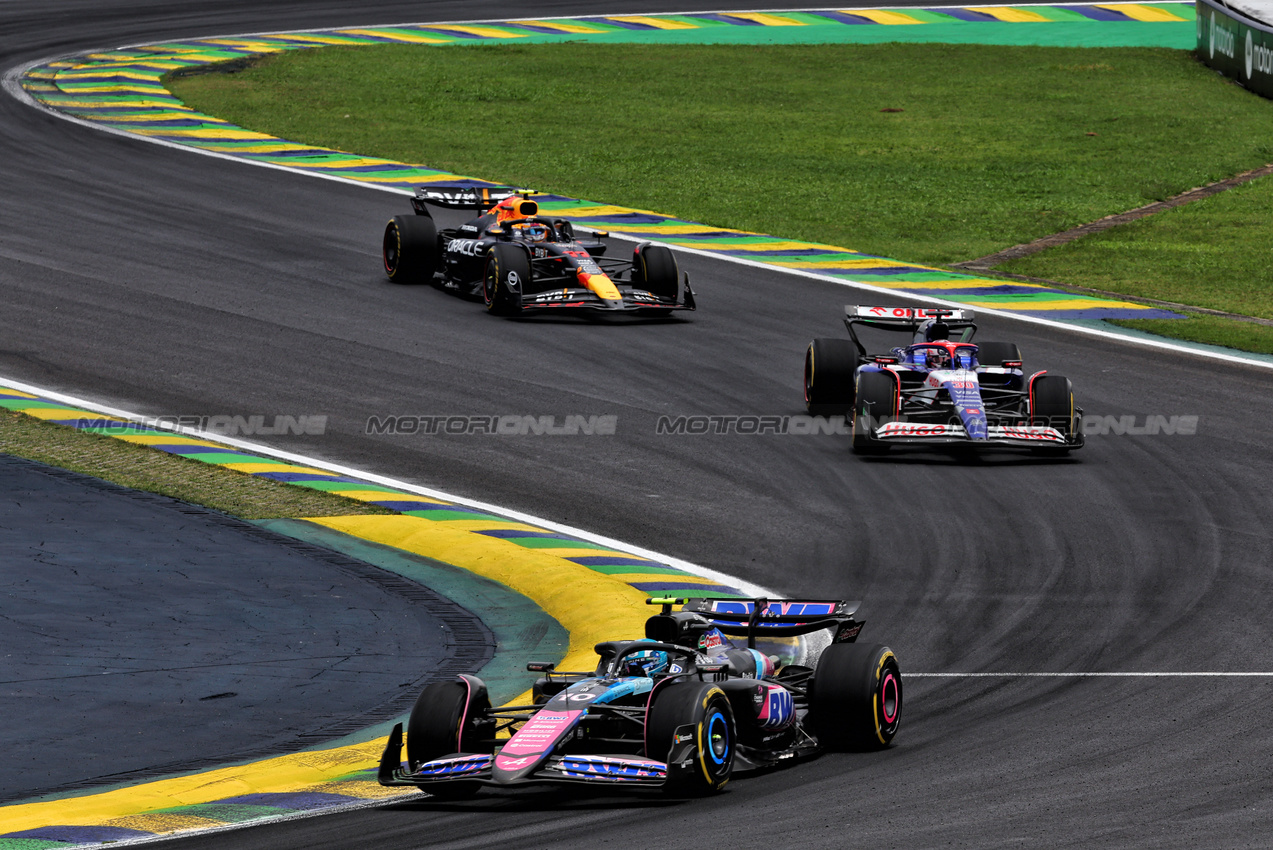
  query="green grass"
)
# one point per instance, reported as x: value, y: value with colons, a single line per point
x: 154, y: 471
x: 1212, y: 253
x: 1209, y: 329
x: 994, y: 146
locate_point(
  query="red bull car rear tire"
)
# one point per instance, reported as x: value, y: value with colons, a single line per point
x: 410, y: 249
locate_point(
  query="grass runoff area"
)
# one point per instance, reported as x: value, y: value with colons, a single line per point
x: 143, y: 468
x: 929, y: 153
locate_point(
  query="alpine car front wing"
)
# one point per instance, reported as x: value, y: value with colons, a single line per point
x: 626, y: 770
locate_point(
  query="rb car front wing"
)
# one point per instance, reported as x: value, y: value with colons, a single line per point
x: 578, y: 297
x: 1015, y: 436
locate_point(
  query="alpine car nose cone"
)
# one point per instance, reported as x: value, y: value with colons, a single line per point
x: 532, y: 744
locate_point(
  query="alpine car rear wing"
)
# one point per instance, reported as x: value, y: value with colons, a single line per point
x: 908, y: 319
x: 462, y: 196
x: 771, y: 617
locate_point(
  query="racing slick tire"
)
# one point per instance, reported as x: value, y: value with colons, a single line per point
x: 997, y: 353
x: 704, y: 706
x: 855, y: 699
x: 829, y: 365
x: 654, y: 269
x: 875, y: 404
x: 448, y: 718
x: 505, y: 278
x: 410, y: 249
x: 1052, y: 403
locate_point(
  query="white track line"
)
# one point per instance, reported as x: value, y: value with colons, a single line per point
x: 11, y: 85
x: 302, y: 460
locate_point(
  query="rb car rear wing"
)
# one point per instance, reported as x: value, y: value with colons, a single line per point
x: 462, y: 196
x: 772, y: 617
x: 908, y: 319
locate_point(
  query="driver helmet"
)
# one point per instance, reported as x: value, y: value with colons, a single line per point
x: 938, y: 358
x: 531, y: 231
x: 645, y: 663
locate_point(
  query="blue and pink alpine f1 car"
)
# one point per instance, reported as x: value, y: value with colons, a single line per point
x: 682, y: 710
x: 941, y: 389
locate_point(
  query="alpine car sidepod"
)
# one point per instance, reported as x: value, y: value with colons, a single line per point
x: 941, y: 389
x: 682, y: 710
x: 519, y: 262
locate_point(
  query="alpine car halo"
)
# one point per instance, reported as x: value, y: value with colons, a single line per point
x: 941, y: 389
x: 682, y: 710
x: 520, y: 262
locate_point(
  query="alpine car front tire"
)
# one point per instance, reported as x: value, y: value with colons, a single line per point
x: 410, y: 248
x: 875, y: 405
x: 829, y: 365
x: 505, y: 278
x: 447, y: 718
x: 705, y: 709
x: 855, y: 701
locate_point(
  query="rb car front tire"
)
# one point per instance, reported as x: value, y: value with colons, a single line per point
x: 506, y: 277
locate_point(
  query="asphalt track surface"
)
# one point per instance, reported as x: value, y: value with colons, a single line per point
x: 152, y: 614
x: 169, y: 283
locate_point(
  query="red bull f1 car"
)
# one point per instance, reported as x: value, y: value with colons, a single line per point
x: 519, y: 262
x: 682, y: 710
x: 940, y: 389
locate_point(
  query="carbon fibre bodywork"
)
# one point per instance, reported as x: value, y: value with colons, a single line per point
x: 520, y: 262
x: 941, y: 389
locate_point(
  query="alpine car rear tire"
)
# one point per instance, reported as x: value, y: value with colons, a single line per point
x: 504, y: 279
x: 1052, y: 404
x: 829, y: 365
x: 875, y: 405
x: 654, y: 270
x: 447, y: 718
x: 410, y: 248
x: 855, y: 700
x: 705, y: 707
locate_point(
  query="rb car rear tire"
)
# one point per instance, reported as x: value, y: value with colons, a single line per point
x: 995, y: 353
x: 706, y: 707
x: 410, y: 248
x: 855, y: 701
x: 829, y: 365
